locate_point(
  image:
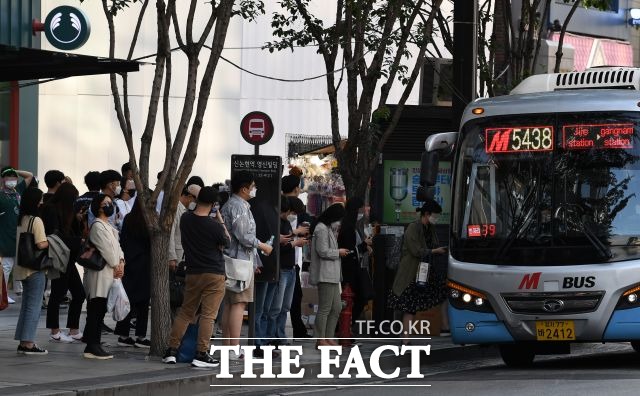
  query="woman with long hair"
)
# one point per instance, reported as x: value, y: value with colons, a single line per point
x: 60, y: 218
x: 104, y: 237
x: 32, y: 281
x: 350, y: 239
x: 325, y: 272
x: 136, y: 245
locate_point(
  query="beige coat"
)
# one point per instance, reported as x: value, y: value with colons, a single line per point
x: 325, y: 257
x: 105, y: 238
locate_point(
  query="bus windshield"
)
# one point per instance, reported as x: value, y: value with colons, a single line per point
x: 552, y: 189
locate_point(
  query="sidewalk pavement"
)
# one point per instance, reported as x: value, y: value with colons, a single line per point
x: 65, y: 372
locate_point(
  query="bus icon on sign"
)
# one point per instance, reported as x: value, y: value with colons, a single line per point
x: 256, y: 127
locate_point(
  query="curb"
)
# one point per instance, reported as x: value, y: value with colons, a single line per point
x: 188, y: 380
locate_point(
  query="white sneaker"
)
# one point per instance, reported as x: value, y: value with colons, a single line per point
x: 76, y: 337
x: 11, y: 300
x: 234, y: 356
x: 60, y: 337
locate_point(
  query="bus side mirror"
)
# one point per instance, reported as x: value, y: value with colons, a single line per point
x: 429, y: 162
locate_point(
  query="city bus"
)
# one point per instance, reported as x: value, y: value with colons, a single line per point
x: 544, y: 250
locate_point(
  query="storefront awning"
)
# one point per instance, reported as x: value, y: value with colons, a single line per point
x: 17, y: 63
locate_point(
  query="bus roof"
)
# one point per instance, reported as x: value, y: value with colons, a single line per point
x: 611, y: 89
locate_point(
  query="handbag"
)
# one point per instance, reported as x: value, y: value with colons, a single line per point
x: 29, y: 256
x: 367, y: 292
x: 239, y: 274
x: 176, y: 290
x: 90, y: 257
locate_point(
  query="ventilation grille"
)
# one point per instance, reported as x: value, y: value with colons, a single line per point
x: 596, y: 79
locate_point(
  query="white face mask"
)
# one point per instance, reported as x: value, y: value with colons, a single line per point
x: 118, y: 190
x: 11, y: 184
x: 292, y: 218
x: 253, y: 192
x: 433, y: 219
x: 335, y: 225
x: 360, y: 216
x: 192, y: 206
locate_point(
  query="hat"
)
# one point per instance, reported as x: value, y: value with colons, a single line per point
x: 208, y: 195
x: 289, y: 183
x: 8, y: 171
x: 429, y: 206
x: 194, y: 190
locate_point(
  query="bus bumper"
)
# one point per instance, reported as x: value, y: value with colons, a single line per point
x: 487, y: 329
x: 624, y: 325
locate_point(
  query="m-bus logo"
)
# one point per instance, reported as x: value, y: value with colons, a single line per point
x: 499, y: 140
x: 530, y: 281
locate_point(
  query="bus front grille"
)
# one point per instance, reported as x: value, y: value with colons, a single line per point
x: 553, y: 303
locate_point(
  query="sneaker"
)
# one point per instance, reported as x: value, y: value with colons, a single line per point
x: 106, y: 329
x: 60, y: 337
x: 234, y: 356
x: 126, y: 342
x: 258, y: 353
x: 11, y: 300
x: 34, y: 350
x: 203, y: 359
x: 170, y: 356
x: 96, y: 352
x: 142, y: 343
x: 218, y: 331
x: 77, y: 337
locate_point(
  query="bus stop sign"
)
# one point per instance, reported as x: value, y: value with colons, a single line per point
x: 256, y: 128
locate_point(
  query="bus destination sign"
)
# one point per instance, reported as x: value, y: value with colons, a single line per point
x: 600, y: 136
x: 519, y: 139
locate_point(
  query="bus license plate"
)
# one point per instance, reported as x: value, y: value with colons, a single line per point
x: 555, y: 330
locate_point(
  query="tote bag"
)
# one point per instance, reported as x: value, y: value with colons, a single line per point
x: 239, y: 273
x: 29, y: 256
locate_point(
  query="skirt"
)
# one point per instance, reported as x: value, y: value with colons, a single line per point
x: 415, y: 298
x: 245, y: 296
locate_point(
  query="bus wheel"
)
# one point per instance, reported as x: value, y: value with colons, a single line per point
x: 636, y: 346
x: 517, y: 355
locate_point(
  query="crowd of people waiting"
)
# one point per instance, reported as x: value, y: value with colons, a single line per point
x: 210, y: 224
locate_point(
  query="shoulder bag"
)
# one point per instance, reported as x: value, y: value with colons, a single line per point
x: 239, y: 273
x: 90, y: 257
x: 29, y: 256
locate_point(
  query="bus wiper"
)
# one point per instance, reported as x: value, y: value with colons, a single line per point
x: 579, y: 224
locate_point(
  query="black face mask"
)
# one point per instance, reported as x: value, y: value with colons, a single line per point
x: 108, y: 210
x: 132, y: 192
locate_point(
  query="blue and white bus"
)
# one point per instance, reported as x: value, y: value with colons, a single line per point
x: 545, y: 228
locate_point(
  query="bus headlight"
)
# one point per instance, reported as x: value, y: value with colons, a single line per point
x: 462, y: 297
x: 629, y: 298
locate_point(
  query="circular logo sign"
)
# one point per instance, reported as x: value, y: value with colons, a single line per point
x: 256, y: 128
x: 67, y: 28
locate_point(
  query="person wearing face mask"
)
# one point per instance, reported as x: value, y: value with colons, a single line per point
x: 105, y: 238
x: 351, y: 240
x: 127, y: 197
x: 325, y: 272
x: 110, y: 186
x: 10, y: 192
x: 281, y: 303
x: 420, y: 243
x: 186, y: 202
x: 241, y: 225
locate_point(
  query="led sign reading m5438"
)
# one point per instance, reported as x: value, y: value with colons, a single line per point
x: 519, y: 139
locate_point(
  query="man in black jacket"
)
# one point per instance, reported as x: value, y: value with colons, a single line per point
x: 203, y: 239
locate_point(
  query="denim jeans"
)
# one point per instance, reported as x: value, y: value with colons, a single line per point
x: 265, y: 292
x: 7, y: 266
x: 282, y: 302
x: 32, y: 293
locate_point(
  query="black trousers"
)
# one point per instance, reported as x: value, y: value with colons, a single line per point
x: 299, y: 329
x: 68, y: 281
x: 96, y: 309
x: 142, y: 320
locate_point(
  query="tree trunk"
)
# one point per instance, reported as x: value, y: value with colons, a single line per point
x: 556, y: 69
x: 160, y: 312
